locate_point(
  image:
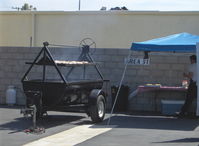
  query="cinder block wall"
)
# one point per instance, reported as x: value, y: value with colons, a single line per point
x: 165, y: 68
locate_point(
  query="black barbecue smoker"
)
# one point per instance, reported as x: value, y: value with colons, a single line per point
x: 63, y: 93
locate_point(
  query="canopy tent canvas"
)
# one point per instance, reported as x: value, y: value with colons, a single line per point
x: 182, y: 42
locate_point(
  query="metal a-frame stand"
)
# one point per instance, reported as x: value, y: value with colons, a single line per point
x: 85, y: 56
x: 47, y: 59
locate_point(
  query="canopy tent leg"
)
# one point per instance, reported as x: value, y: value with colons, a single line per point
x: 121, y: 81
x: 197, y: 54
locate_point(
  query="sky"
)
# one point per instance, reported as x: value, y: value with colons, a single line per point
x: 94, y: 5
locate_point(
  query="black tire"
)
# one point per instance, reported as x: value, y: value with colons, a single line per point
x: 97, y: 112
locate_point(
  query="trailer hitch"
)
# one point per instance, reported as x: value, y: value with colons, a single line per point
x: 32, y: 111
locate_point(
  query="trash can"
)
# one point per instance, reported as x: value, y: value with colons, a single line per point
x: 122, y: 99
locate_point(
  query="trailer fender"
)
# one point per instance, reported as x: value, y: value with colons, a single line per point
x: 93, y: 96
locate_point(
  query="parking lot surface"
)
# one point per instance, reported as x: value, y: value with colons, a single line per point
x: 63, y: 128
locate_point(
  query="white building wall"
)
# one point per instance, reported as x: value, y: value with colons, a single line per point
x: 109, y: 29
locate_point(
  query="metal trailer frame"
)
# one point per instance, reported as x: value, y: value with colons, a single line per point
x: 89, y: 96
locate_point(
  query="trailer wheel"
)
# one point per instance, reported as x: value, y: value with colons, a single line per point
x: 97, y: 111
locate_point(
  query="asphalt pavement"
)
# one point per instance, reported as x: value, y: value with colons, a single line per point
x: 128, y: 129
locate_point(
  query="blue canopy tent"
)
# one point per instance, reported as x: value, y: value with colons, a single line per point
x: 182, y: 42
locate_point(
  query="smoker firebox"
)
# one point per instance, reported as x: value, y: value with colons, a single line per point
x: 88, y: 95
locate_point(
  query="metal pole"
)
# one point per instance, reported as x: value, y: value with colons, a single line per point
x: 121, y: 81
x: 79, y: 4
x: 96, y: 67
x: 34, y: 62
x: 197, y: 54
x: 33, y: 30
x: 54, y: 64
x: 44, y: 67
x: 34, y: 116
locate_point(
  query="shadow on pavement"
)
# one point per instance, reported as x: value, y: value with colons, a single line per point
x: 20, y: 124
x: 56, y: 120
x: 16, y: 125
x: 152, y: 122
x: 184, y: 140
x: 123, y: 120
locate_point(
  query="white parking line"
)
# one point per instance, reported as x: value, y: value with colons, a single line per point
x: 72, y: 136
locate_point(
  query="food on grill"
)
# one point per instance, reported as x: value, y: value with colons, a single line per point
x: 71, y: 62
x: 153, y: 85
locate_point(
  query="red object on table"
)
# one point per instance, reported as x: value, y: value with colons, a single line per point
x: 156, y: 88
x: 147, y: 88
x: 143, y: 88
